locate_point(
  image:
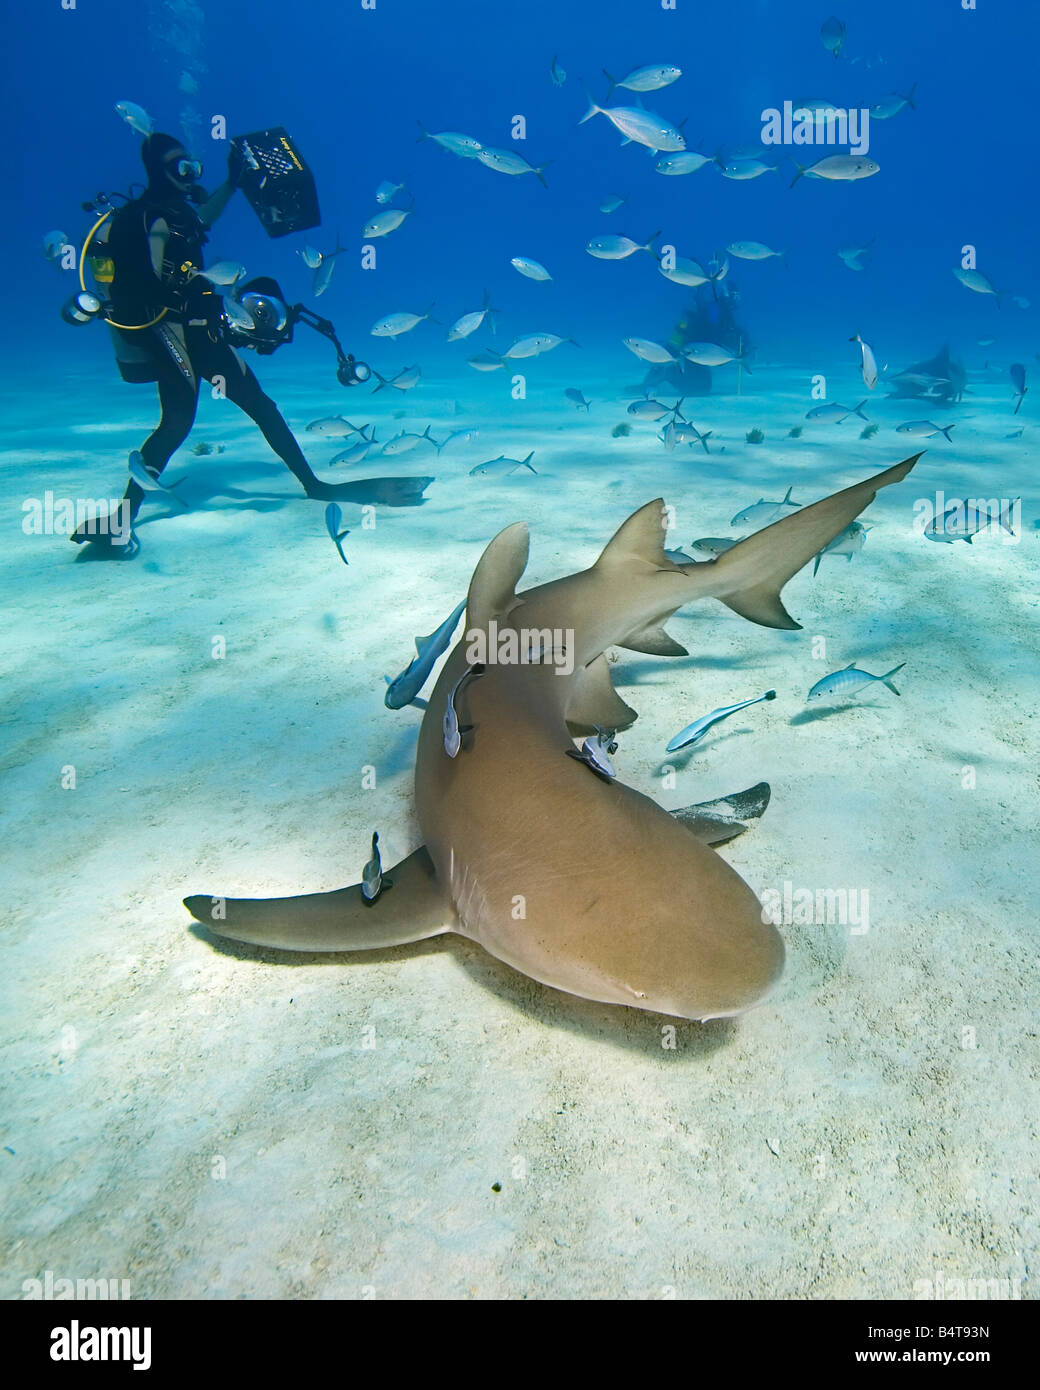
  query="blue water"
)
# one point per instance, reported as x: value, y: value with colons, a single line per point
x: 501, y: 1139
x: 350, y: 86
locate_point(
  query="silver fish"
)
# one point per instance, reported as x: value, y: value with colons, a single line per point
x: 711, y: 354
x: 54, y: 244
x: 975, y: 280
x: 694, y: 732
x: 743, y: 169
x: 892, y: 105
x: 1018, y: 380
x: 509, y: 162
x: 403, y: 689
x: 760, y: 513
x: 224, y: 273
x: 453, y: 730
x: 648, y: 351
x: 685, y: 272
x: 310, y: 256
x: 752, y: 251
x: 404, y: 443
x: 393, y: 325
x: 574, y: 395
x: 354, y: 454
x: 334, y: 427
x: 536, y: 344
x: 924, y: 429
x: 459, y: 437
x: 136, y: 117
x: 469, y: 323
x: 534, y: 270
x: 683, y: 162
x: 238, y: 316
x: 849, y: 681
x: 963, y: 520
x: 713, y: 546
x: 848, y: 542
x: 648, y: 79
x: 559, y: 77
x: 853, y: 255
x: 618, y: 248
x: 386, y: 221
x: 636, y: 124
x: 612, y: 203
x: 323, y: 275
x: 487, y: 361
x: 833, y: 413
x: 868, y: 364
x: 405, y: 379
x: 465, y: 146
x: 501, y: 466
x: 649, y: 410
x: 387, y: 191
x: 838, y: 168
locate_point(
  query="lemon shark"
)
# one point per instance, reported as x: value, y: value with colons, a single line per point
x: 576, y: 880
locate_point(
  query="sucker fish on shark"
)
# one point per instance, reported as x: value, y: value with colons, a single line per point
x: 653, y: 917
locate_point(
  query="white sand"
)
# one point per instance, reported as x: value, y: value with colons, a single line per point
x: 842, y: 1141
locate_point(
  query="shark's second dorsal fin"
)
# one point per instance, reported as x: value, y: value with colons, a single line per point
x: 639, y: 540
x: 492, y: 590
x: 594, y: 703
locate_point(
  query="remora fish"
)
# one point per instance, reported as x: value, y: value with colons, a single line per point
x: 372, y: 880
x: 693, y: 733
x: 596, y: 752
x: 686, y: 940
x: 451, y: 729
x: 403, y: 689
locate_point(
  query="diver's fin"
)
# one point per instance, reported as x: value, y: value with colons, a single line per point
x: 594, y: 703
x: 749, y: 576
x: 492, y: 590
x: 639, y: 540
x: 653, y: 640
x: 338, y: 921
x: 715, y: 822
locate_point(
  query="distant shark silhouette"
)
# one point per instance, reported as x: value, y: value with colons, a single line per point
x: 939, y: 378
x: 572, y: 878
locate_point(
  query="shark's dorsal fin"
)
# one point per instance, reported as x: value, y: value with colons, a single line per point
x: 594, y: 702
x: 492, y: 590
x: 639, y: 540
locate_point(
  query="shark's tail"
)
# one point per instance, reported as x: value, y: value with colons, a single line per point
x: 749, y: 576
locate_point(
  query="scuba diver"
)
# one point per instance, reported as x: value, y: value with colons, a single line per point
x: 155, y: 246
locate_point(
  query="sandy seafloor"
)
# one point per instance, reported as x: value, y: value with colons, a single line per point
x: 208, y: 1122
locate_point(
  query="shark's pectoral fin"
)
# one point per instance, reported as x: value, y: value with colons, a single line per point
x: 715, y: 822
x: 594, y: 703
x: 748, y: 578
x: 338, y: 921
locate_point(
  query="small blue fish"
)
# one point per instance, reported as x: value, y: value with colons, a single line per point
x: 694, y: 732
x: 1018, y: 378
x: 850, y: 681
x: 333, y: 518
x: 403, y: 689
x: 573, y: 394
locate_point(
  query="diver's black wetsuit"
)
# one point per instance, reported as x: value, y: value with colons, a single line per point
x: 186, y: 346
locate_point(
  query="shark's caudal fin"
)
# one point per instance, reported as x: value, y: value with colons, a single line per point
x: 748, y: 578
x: 413, y: 909
x: 492, y: 590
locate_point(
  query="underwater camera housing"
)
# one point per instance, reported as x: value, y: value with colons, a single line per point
x: 274, y: 321
x: 277, y: 182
